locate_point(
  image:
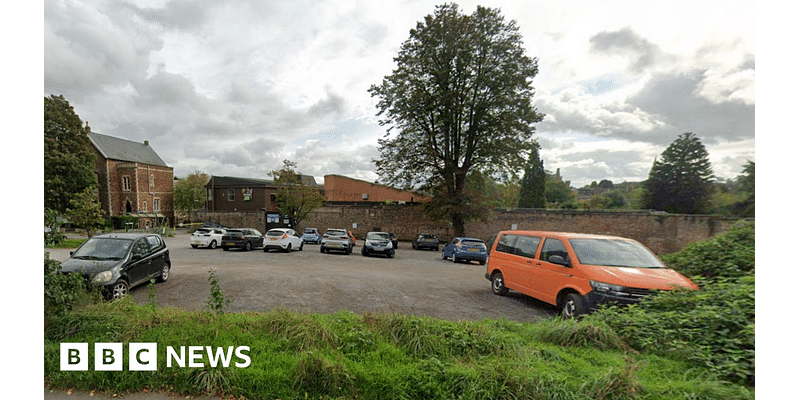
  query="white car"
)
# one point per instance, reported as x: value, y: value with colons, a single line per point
x: 282, y: 239
x: 207, y: 237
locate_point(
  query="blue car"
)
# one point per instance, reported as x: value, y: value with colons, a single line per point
x: 465, y: 249
x: 311, y: 235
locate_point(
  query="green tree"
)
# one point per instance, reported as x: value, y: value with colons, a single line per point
x: 558, y: 193
x: 85, y: 211
x: 459, y: 100
x: 295, y: 196
x: 68, y: 156
x: 682, y: 179
x: 189, y: 193
x: 532, y: 186
x: 747, y: 182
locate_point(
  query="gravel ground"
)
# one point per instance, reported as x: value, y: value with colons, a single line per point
x: 415, y: 282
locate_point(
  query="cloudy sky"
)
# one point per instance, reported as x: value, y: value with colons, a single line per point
x: 234, y: 88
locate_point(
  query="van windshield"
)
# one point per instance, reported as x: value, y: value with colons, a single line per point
x: 614, y: 253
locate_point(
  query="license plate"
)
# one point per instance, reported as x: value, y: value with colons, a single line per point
x: 273, y: 239
x: 472, y: 249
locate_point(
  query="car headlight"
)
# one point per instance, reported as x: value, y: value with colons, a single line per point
x: 609, y: 288
x: 102, y: 277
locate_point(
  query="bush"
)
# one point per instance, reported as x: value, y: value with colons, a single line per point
x: 729, y: 254
x: 60, y: 290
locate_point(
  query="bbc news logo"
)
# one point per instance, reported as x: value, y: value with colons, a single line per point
x: 144, y: 356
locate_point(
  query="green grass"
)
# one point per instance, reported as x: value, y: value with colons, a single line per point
x: 377, y: 356
x: 67, y: 244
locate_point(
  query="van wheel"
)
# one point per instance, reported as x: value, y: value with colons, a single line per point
x: 498, y: 284
x: 573, y: 306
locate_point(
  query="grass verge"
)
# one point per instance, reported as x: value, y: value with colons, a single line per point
x: 376, y: 356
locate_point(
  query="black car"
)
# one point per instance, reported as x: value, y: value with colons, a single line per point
x: 119, y: 261
x: 378, y: 243
x: 242, y: 238
x: 393, y: 237
x: 425, y: 241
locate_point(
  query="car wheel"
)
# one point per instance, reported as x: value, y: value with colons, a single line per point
x: 301, y: 246
x: 248, y: 246
x: 498, y: 284
x: 194, y: 246
x: 225, y: 248
x: 321, y: 249
x: 119, y: 290
x: 573, y: 306
x: 455, y: 260
x: 364, y: 251
x: 391, y: 253
x: 213, y: 244
x: 164, y: 273
x: 444, y: 257
x: 288, y: 248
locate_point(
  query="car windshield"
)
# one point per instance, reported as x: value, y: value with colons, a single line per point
x: 335, y: 232
x: 275, y: 233
x: 614, y: 253
x: 377, y: 236
x: 427, y: 237
x: 103, y: 249
x: 202, y: 231
x: 310, y: 230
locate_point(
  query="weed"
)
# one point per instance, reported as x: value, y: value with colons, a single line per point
x: 217, y: 302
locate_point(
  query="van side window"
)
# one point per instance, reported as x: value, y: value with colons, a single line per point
x: 553, y: 247
x: 526, y: 246
x: 505, y: 243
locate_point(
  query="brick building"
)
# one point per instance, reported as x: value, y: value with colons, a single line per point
x: 133, y: 180
x: 225, y: 193
x: 341, y: 189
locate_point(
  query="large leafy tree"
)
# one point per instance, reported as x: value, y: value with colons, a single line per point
x: 459, y: 100
x: 681, y: 180
x: 296, y: 198
x: 68, y: 157
x: 532, y: 186
x: 189, y: 193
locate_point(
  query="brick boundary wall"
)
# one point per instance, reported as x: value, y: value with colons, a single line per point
x: 662, y: 233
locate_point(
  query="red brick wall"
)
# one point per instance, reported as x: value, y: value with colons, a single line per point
x: 343, y: 189
x: 662, y: 233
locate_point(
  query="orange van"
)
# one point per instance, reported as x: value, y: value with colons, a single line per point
x: 577, y: 272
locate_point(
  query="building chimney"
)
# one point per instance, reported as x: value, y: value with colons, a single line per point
x: 87, y: 129
x: 147, y: 143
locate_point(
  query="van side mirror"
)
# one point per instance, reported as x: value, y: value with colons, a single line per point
x: 558, y: 260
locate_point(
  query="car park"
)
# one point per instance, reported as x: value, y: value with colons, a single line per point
x: 425, y: 241
x: 206, y: 237
x: 117, y: 262
x: 577, y: 272
x: 282, y: 239
x: 242, y: 238
x: 465, y: 249
x: 312, y: 235
x: 378, y: 243
x: 336, y: 240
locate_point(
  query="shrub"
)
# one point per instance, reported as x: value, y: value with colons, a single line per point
x: 60, y: 290
x: 730, y: 254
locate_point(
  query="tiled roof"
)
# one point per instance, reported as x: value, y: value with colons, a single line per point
x: 220, y: 181
x: 125, y: 150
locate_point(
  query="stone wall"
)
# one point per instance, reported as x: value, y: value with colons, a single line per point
x: 662, y: 233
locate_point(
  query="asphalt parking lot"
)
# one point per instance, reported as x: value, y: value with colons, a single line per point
x: 415, y: 282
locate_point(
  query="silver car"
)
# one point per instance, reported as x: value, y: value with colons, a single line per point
x: 336, y: 239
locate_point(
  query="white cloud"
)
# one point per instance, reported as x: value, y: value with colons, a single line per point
x: 233, y: 88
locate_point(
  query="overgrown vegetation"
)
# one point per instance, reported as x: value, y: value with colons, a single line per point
x: 683, y: 344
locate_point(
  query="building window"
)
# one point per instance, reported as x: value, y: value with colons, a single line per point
x: 144, y: 207
x: 156, y: 204
x: 152, y: 181
x: 209, y: 195
x: 247, y: 194
x: 231, y: 195
x: 126, y: 183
